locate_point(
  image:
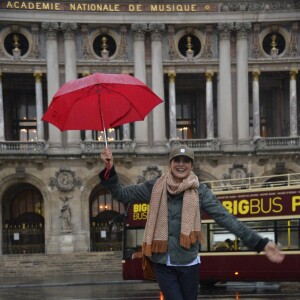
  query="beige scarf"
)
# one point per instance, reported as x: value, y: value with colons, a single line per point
x: 156, y: 230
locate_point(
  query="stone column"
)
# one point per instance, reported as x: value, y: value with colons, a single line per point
x: 225, y: 124
x: 242, y: 84
x: 69, y: 29
x: 209, y: 106
x: 55, y: 136
x: 39, y: 105
x: 2, y: 136
x: 88, y: 133
x: 172, y: 106
x: 159, y: 122
x: 141, y: 127
x: 293, y: 104
x: 255, y: 104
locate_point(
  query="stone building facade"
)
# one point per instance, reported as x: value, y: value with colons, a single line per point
x: 226, y: 70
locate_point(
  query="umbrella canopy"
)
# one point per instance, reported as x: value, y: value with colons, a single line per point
x: 100, y: 101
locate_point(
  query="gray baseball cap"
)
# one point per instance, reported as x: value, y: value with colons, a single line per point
x: 181, y: 150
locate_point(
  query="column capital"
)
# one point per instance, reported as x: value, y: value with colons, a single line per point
x: 156, y: 30
x: 255, y: 75
x: 38, y: 76
x: 242, y: 29
x: 225, y: 30
x: 86, y: 73
x: 139, y: 31
x: 172, y: 76
x: 293, y: 74
x: 69, y: 30
x: 51, y: 29
x: 209, y: 75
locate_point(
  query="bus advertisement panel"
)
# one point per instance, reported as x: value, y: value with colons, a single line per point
x: 266, y: 203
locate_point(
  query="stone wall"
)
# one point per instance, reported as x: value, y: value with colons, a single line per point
x: 60, y: 264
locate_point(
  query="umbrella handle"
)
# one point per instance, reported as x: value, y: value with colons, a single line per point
x: 105, y: 138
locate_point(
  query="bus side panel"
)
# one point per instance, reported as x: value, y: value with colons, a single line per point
x: 132, y: 269
x: 248, y: 268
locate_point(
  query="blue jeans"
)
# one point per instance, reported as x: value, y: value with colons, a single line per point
x: 178, y: 283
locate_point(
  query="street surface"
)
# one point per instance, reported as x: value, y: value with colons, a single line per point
x: 141, y: 290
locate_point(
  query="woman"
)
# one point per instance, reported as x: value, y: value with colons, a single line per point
x: 173, y: 230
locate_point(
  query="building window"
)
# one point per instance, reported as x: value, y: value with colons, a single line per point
x: 19, y: 107
x: 112, y: 134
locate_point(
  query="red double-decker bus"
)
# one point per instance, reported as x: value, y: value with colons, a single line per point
x: 271, y: 206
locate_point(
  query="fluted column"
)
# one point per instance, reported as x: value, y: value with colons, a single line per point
x: 225, y: 124
x: 243, y: 127
x: 2, y: 137
x: 141, y: 127
x: 69, y: 29
x: 159, y: 124
x: 209, y: 106
x: 255, y: 104
x: 293, y: 104
x: 39, y: 105
x: 88, y: 133
x: 172, y: 105
x: 55, y: 136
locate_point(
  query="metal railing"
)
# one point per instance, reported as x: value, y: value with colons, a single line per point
x: 252, y: 183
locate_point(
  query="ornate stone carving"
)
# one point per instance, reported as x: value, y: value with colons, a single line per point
x: 90, y: 162
x: 65, y: 180
x: 208, y: 41
x: 39, y: 164
x: 280, y: 168
x: 150, y: 173
x: 238, y: 174
x: 171, y: 43
x: 123, y: 44
x: 255, y: 44
x: 86, y: 53
x: 258, y: 5
x: 20, y: 172
x: 35, y: 41
x: 294, y: 39
x: 127, y: 162
x: 65, y: 215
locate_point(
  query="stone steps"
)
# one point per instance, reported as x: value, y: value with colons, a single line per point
x: 60, y: 264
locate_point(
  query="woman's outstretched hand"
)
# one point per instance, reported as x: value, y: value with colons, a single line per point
x: 273, y: 253
x: 107, y: 157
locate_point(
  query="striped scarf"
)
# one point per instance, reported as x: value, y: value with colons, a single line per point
x: 156, y: 230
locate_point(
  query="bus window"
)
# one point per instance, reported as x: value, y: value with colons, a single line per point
x: 133, y: 241
x: 288, y: 234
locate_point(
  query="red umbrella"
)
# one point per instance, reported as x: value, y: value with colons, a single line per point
x: 100, y: 101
